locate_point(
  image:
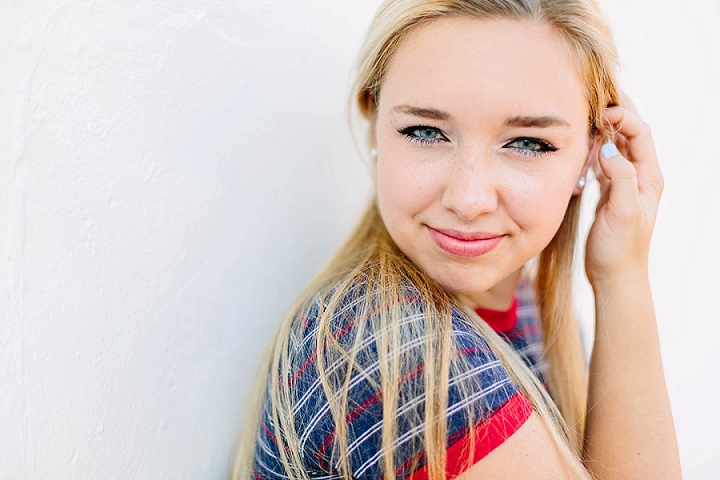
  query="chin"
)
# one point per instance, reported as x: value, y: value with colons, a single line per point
x: 468, y: 284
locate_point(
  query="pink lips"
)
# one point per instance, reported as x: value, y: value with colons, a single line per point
x: 463, y: 244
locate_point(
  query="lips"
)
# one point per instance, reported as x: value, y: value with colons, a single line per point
x: 465, y: 244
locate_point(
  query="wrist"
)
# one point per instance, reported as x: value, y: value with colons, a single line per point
x: 621, y: 299
x: 629, y: 280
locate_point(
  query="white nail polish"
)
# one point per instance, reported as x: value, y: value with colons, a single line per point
x: 609, y: 150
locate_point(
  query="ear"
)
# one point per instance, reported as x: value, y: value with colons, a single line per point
x: 370, y: 111
x: 367, y: 102
x: 591, y: 159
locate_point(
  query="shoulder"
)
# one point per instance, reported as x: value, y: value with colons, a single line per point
x: 356, y: 317
x: 352, y: 342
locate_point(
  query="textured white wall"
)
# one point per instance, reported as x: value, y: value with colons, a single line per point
x: 171, y: 174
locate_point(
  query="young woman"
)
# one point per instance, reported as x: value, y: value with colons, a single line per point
x: 433, y: 345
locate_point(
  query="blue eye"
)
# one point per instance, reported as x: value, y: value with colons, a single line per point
x: 423, y: 135
x: 531, y: 146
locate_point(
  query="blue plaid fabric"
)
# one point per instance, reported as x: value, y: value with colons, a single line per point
x: 491, y: 389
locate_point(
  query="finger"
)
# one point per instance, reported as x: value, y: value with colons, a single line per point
x: 601, y: 178
x: 622, y: 193
x: 625, y: 122
x: 604, y: 186
x: 622, y: 144
x: 637, y: 146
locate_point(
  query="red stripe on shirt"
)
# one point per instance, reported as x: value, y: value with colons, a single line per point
x: 313, y: 356
x: 344, y: 330
x: 373, y: 399
x: 267, y: 431
x: 487, y: 436
x: 409, y: 375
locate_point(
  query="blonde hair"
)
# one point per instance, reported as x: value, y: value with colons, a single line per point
x: 370, y: 256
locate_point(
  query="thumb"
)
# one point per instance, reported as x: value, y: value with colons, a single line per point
x: 623, y: 185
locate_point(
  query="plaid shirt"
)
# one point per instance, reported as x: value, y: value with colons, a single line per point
x: 526, y: 335
x: 495, y: 403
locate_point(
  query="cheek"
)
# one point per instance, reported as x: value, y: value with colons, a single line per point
x: 392, y: 202
x: 538, y: 204
x: 403, y: 190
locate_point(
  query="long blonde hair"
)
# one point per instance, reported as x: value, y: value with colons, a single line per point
x: 370, y: 256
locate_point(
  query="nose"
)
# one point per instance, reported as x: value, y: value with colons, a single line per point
x: 471, y: 188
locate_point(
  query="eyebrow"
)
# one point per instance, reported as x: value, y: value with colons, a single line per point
x: 430, y: 113
x: 541, y: 122
x: 527, y: 121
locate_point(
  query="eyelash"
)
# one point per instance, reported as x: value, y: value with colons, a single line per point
x: 544, y: 147
x: 409, y: 133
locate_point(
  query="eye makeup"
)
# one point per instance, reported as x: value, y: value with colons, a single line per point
x: 423, y: 134
x: 529, y: 146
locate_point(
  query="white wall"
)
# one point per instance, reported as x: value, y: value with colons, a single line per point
x: 670, y: 55
x: 171, y: 173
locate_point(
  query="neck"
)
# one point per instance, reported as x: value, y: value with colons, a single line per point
x: 498, y: 297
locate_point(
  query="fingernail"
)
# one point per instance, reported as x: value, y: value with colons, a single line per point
x: 609, y: 150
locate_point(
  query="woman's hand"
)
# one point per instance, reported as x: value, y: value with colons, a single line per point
x: 630, y: 431
x: 630, y: 187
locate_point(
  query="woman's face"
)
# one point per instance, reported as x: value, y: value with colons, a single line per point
x: 482, y: 135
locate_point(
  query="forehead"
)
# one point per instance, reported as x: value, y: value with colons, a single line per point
x: 462, y: 64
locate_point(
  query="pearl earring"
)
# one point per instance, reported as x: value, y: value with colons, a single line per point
x: 373, y: 153
x: 581, y: 182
